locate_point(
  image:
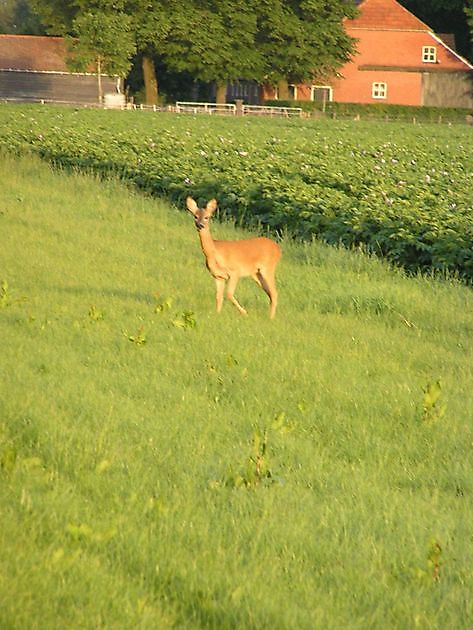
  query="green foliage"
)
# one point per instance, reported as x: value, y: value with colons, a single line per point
x: 432, y: 407
x: 8, y: 457
x: 139, y: 338
x: 469, y: 14
x: 298, y: 39
x: 257, y: 471
x: 162, y: 304
x: 16, y: 16
x: 185, y: 320
x: 104, y: 40
x: 223, y: 50
x: 379, y: 112
x: 95, y: 314
x: 430, y: 572
x: 4, y: 295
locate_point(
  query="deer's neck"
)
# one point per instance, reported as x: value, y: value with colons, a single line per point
x: 207, y: 244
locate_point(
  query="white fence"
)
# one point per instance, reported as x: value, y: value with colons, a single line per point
x: 191, y: 107
x: 266, y: 110
x: 204, y: 108
x: 237, y: 110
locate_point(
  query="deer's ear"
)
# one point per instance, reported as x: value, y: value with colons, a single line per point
x: 191, y: 205
x: 211, y: 206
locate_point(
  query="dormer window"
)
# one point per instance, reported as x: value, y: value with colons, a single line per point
x: 429, y: 54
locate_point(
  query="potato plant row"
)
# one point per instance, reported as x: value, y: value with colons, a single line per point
x: 403, y: 192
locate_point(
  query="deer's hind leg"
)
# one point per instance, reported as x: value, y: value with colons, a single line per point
x: 267, y: 282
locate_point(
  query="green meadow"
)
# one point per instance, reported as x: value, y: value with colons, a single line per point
x: 165, y: 467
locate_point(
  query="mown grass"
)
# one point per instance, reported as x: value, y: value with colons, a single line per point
x: 135, y: 490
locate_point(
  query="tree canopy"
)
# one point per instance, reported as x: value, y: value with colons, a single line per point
x: 212, y: 40
x: 16, y: 16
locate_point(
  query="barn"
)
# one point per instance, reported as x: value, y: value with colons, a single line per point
x: 33, y: 69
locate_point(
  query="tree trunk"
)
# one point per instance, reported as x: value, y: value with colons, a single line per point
x: 221, y: 95
x: 151, y: 82
x: 283, y: 90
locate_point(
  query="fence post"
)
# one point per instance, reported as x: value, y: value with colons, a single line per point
x: 239, y: 107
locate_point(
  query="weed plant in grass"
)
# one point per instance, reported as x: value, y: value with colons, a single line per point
x: 165, y: 467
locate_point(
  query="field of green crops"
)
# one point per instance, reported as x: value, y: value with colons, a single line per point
x: 403, y: 192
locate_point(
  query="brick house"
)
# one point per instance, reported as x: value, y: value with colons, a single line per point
x: 33, y: 68
x: 399, y: 60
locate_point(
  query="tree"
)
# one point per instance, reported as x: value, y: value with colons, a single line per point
x: 56, y: 15
x: 445, y: 16
x: 98, y: 34
x: 303, y: 38
x: 469, y: 16
x: 104, y: 41
x: 151, y: 23
x: 264, y: 40
x: 214, y: 40
x: 147, y: 21
x: 17, y: 17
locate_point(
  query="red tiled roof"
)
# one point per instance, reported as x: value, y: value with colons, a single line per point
x: 386, y: 15
x: 32, y: 52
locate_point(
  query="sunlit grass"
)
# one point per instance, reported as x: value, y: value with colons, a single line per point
x: 135, y: 491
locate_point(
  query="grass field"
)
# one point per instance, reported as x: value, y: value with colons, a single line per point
x: 162, y: 466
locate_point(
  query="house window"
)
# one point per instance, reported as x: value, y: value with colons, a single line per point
x: 292, y: 90
x: 321, y: 93
x: 429, y: 54
x: 379, y: 90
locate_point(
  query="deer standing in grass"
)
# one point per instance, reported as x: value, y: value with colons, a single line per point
x: 232, y: 260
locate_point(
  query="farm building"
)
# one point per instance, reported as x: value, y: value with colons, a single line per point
x: 399, y: 60
x: 33, y: 68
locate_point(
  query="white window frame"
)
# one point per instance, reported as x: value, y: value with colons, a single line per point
x: 379, y: 90
x: 294, y: 90
x: 321, y: 87
x: 429, y: 54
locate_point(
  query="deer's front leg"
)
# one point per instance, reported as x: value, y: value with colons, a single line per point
x: 220, y: 285
x: 231, y: 294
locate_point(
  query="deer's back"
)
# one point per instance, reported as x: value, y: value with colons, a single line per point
x: 247, y: 256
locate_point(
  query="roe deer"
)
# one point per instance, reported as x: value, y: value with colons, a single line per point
x: 232, y: 260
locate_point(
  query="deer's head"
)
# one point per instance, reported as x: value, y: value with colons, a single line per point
x: 201, y: 215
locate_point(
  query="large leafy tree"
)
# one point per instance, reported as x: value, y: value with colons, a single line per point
x: 272, y: 41
x: 300, y: 38
x: 214, y: 40
x: 151, y: 23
